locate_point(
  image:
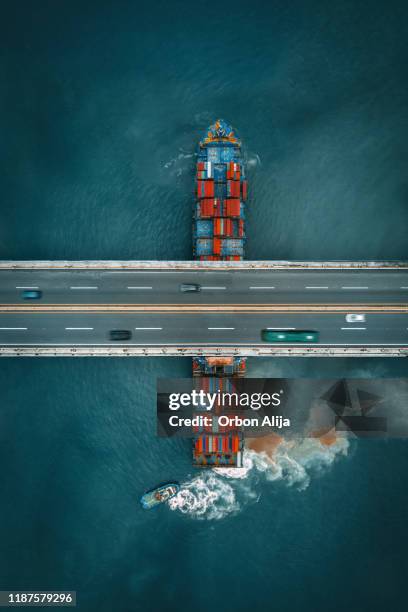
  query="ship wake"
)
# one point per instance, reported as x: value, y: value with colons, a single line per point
x: 222, y: 492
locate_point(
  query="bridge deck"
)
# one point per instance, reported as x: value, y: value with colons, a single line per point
x: 80, y: 305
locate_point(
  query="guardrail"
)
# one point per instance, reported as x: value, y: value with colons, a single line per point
x: 195, y: 351
x: 201, y: 265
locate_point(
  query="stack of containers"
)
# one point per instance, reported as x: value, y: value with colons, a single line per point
x: 218, y: 229
x: 219, y: 235
x: 215, y: 445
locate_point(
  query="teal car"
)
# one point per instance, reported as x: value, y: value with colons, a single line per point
x: 31, y: 294
x: 289, y: 335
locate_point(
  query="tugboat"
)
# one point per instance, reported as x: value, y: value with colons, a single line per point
x: 159, y: 495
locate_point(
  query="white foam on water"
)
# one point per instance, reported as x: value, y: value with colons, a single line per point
x: 222, y: 492
x: 296, y: 462
x: 177, y: 163
x: 252, y: 160
x: 206, y: 497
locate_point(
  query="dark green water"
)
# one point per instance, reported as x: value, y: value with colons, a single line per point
x: 101, y: 108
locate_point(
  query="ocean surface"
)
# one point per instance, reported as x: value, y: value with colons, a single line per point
x: 101, y: 107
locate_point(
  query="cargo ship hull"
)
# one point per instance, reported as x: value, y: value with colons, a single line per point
x: 218, y: 231
x: 219, y: 235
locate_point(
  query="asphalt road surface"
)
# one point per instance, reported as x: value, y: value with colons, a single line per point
x: 218, y: 329
x: 377, y: 289
x: 232, y: 287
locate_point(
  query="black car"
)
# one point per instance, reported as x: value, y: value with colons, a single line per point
x: 187, y: 287
x: 120, y: 334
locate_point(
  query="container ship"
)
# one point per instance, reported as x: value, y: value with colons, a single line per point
x: 219, y: 235
x: 218, y: 230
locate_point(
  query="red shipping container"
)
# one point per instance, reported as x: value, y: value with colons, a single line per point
x: 207, y: 207
x: 209, y: 189
x: 220, y: 227
x: 210, y: 207
x: 244, y: 190
x: 233, y: 207
x: 217, y: 246
x: 233, y: 171
x: 200, y: 165
x: 241, y: 228
x: 233, y: 189
x: 218, y: 208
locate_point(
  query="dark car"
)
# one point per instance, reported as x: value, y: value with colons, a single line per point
x: 120, y: 334
x: 187, y: 287
x: 289, y: 335
x: 31, y: 294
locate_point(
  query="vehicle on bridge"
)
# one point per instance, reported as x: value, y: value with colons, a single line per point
x: 289, y: 335
x: 31, y: 294
x: 189, y: 287
x: 120, y: 334
x: 355, y: 318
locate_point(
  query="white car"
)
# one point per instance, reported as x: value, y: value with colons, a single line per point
x: 355, y: 318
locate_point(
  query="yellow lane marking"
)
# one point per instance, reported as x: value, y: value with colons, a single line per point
x: 206, y: 308
x: 224, y: 266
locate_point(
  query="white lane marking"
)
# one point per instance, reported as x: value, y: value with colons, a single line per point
x: 77, y: 328
x: 140, y: 287
x: 27, y: 287
x: 403, y: 287
x: 83, y: 287
x: 149, y: 271
x: 149, y: 328
x: 213, y: 288
x: 344, y: 328
x: 281, y: 328
x: 216, y: 328
x: 13, y: 328
x: 262, y: 287
x: 316, y: 287
x: 354, y: 287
